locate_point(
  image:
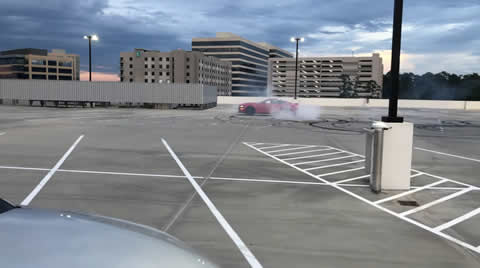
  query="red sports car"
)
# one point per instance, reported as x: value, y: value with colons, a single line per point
x: 267, y: 106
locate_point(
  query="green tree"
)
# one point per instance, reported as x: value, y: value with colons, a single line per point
x: 373, y: 89
x: 348, y: 87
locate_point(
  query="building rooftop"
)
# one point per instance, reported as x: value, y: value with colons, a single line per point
x: 25, y: 51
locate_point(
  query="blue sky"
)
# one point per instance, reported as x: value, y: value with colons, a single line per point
x: 439, y: 35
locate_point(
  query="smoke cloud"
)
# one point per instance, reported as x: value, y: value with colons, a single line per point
x: 304, y: 113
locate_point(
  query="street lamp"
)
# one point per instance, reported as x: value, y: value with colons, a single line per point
x: 395, y: 69
x: 296, y: 39
x: 90, y: 38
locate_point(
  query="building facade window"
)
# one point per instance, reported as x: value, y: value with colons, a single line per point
x: 39, y: 69
x: 52, y: 77
x: 131, y: 80
x: 146, y: 80
x: 131, y: 73
x: 38, y: 62
x: 131, y: 65
x: 65, y: 71
x: 65, y: 63
x: 52, y: 62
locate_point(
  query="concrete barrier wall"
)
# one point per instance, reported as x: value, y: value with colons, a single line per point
x: 114, y: 92
x: 472, y: 105
x: 374, y: 103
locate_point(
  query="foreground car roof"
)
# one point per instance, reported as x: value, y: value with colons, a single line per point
x: 44, y: 238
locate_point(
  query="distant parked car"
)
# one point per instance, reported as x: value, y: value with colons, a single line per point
x: 267, y: 106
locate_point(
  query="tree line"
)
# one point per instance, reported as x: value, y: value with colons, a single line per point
x: 440, y: 86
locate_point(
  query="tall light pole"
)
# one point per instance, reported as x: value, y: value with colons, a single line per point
x: 395, y: 69
x: 93, y: 37
x: 296, y: 39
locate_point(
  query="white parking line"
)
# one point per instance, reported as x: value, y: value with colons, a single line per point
x: 288, y: 164
x: 24, y: 168
x: 395, y: 214
x: 442, y: 178
x: 2, y: 133
x: 52, y: 171
x: 255, y: 144
x: 122, y: 173
x: 416, y: 175
x: 458, y: 220
x: 409, y: 192
x: 290, y: 149
x: 451, y: 155
x: 309, y: 156
x: 323, y: 160
x: 352, y: 179
x: 252, y: 260
x: 275, y: 146
x: 336, y: 165
x: 268, y: 181
x: 338, y: 172
x: 433, y: 203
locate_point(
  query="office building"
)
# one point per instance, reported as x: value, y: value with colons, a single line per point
x: 31, y: 63
x: 177, y: 66
x: 249, y: 60
x: 325, y: 76
x: 276, y: 52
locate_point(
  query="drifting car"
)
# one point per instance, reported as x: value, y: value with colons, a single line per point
x: 267, y: 106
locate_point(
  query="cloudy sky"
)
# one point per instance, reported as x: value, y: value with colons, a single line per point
x: 439, y: 35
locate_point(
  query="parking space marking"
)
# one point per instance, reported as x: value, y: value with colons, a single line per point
x: 290, y: 149
x: 458, y: 220
x: 269, y: 181
x: 274, y: 146
x: 416, y: 175
x: 336, y: 165
x: 339, y: 172
x: 393, y: 197
x: 252, y: 260
x: 24, y: 168
x: 437, y: 201
x: 352, y: 179
x: 312, y: 156
x: 52, y: 171
x: 121, y: 173
x: 323, y: 160
x: 2, y: 133
x: 341, y: 188
x: 442, y: 178
x: 303, y: 152
x: 451, y: 155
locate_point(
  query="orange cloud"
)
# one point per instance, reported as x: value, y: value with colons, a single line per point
x: 99, y: 76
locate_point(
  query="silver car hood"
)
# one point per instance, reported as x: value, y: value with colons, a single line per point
x: 46, y: 238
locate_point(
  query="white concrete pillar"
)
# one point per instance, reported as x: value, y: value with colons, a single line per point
x: 397, y: 156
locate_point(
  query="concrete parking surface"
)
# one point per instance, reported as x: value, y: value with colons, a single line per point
x: 292, y: 193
